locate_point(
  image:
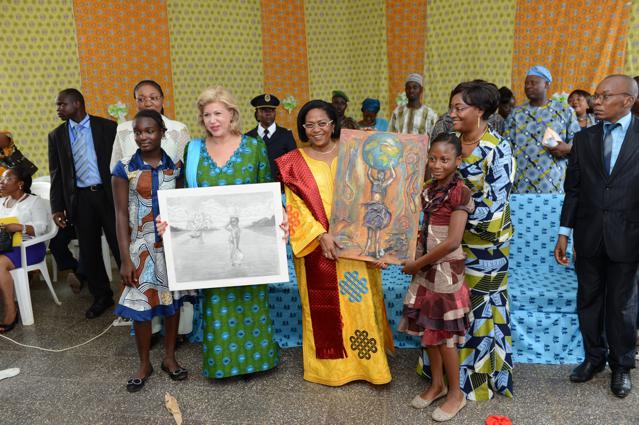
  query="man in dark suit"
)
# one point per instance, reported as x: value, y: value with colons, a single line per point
x: 79, y: 155
x: 279, y: 140
x: 601, y: 208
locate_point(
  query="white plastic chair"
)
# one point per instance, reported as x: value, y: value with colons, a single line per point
x: 21, y: 275
x: 42, y: 188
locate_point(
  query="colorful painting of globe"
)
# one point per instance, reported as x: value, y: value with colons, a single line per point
x: 382, y: 151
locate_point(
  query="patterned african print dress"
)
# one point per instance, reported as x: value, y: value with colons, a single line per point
x: 486, y: 356
x: 361, y: 323
x: 152, y: 296
x: 233, y: 323
x: 537, y: 170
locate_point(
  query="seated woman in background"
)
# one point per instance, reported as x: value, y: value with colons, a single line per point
x: 10, y: 155
x: 149, y: 95
x: 32, y: 213
x: 370, y: 121
x: 579, y: 101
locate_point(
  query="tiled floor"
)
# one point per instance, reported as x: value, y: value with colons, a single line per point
x: 86, y: 385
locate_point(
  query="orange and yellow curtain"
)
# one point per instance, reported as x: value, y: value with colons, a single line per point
x: 299, y: 48
x: 119, y: 44
x: 580, y: 42
x: 284, y: 54
x: 406, y: 32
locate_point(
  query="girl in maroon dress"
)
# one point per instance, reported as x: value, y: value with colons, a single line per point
x: 437, y: 304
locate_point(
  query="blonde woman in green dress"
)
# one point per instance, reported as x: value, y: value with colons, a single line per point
x: 233, y: 323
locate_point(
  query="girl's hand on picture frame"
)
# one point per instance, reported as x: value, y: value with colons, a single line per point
x: 376, y: 265
x: 284, y: 225
x: 161, y: 226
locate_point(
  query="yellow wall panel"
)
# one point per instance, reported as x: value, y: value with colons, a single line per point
x: 38, y: 58
x: 346, y: 44
x: 632, y: 50
x: 215, y: 43
x: 467, y: 39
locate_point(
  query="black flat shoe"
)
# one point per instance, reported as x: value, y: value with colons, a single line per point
x: 179, y: 374
x: 99, y: 306
x: 8, y: 327
x: 134, y: 385
x: 586, y: 370
x: 620, y: 382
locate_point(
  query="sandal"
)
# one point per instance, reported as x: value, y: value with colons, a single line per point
x: 179, y: 374
x: 134, y: 385
x: 8, y: 327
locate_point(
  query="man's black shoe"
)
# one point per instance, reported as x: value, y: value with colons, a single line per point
x: 586, y: 370
x: 620, y: 383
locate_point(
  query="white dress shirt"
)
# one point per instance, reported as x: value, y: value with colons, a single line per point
x: 271, y: 130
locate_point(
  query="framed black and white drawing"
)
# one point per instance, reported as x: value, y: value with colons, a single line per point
x: 223, y: 236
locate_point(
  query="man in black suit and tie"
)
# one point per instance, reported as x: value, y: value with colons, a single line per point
x: 279, y: 140
x: 601, y: 208
x: 79, y: 155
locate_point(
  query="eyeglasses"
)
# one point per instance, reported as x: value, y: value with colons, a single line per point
x: 320, y: 124
x: 604, y: 97
x: 458, y: 109
x: 151, y: 98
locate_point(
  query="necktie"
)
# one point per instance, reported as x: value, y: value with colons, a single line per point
x: 608, y: 146
x: 79, y: 150
x: 265, y: 134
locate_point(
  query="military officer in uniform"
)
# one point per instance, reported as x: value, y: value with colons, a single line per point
x: 279, y: 140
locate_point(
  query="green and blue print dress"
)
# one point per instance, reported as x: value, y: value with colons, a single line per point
x: 485, y: 359
x: 233, y: 323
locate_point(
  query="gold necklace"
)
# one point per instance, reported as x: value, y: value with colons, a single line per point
x: 474, y: 142
x: 470, y: 143
x: 327, y: 152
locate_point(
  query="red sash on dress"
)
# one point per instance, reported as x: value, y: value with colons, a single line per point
x: 321, y: 273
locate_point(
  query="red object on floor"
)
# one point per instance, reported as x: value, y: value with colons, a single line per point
x: 498, y: 420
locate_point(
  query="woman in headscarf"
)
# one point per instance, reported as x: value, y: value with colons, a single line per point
x: 370, y: 120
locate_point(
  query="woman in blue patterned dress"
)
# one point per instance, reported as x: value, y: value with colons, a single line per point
x: 233, y: 323
x: 488, y: 169
x: 136, y: 181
